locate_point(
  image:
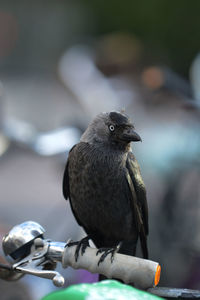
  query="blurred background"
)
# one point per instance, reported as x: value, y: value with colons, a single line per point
x: 61, y: 63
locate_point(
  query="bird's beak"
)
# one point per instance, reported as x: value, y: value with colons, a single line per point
x: 130, y: 135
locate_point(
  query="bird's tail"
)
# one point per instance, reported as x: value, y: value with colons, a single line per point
x: 143, y: 241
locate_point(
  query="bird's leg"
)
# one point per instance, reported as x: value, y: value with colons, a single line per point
x: 81, y: 246
x: 107, y: 251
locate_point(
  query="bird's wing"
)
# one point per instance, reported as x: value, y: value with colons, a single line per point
x: 139, y: 187
x: 65, y: 185
x: 66, y: 189
x: 139, y: 201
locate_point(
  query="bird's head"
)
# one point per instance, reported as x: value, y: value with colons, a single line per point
x: 111, y: 128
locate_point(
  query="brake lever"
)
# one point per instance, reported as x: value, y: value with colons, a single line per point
x: 35, y: 262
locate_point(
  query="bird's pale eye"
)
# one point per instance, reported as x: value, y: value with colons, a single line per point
x: 112, y: 127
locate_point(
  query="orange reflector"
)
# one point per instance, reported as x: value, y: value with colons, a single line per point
x: 157, y: 275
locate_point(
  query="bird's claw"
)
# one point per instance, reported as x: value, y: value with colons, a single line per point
x: 107, y: 251
x: 81, y: 246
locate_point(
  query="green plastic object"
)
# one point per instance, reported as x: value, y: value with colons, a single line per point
x: 104, y: 290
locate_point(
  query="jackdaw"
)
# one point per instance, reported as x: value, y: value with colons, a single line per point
x: 103, y: 182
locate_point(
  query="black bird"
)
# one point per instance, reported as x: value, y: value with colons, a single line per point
x: 103, y: 183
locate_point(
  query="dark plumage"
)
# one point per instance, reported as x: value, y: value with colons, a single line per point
x: 103, y: 183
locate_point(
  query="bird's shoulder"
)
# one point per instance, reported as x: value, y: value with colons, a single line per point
x: 98, y: 153
x: 65, y: 183
x: 81, y: 149
x: 76, y: 158
x: 134, y: 170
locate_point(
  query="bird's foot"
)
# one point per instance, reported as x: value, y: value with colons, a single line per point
x: 81, y: 246
x: 107, y: 251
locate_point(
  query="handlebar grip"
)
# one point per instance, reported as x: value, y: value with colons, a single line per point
x: 142, y: 273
